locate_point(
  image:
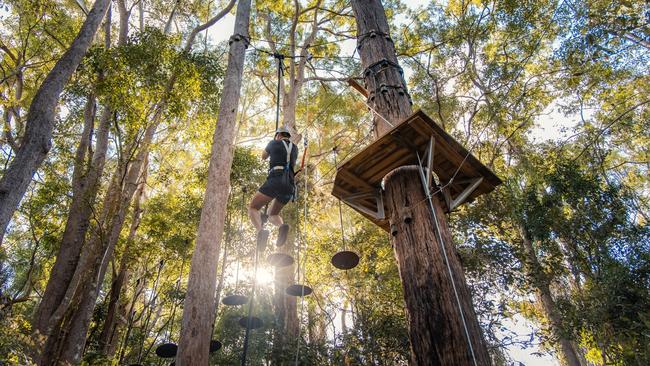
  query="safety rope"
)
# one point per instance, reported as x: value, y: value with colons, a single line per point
x: 336, y: 166
x: 444, y: 252
x: 280, y: 59
x: 250, y: 309
x: 304, y: 265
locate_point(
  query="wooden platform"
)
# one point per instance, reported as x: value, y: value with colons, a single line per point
x: 358, y: 180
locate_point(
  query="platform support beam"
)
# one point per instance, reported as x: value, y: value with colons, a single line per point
x: 436, y: 328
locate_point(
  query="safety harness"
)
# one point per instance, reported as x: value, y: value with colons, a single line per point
x: 288, y: 146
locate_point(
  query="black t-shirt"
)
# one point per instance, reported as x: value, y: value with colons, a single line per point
x: 278, y: 153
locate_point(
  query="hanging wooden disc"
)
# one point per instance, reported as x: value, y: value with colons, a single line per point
x: 167, y: 350
x: 255, y: 322
x: 280, y: 260
x: 215, y: 345
x: 345, y: 260
x: 234, y: 300
x: 298, y: 290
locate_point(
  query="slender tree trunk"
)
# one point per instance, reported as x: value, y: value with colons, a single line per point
x: 286, y: 307
x: 37, y: 140
x: 85, y: 184
x: 93, y: 271
x: 117, y: 306
x: 124, y: 15
x: 84, y: 195
x: 199, y: 302
x: 540, y: 281
x: 90, y: 269
x: 436, y: 331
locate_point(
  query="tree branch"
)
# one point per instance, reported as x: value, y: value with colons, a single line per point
x: 206, y: 25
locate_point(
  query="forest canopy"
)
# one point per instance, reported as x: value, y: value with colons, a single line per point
x: 131, y: 144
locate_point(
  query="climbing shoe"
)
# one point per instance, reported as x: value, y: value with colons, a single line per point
x: 262, y: 239
x: 283, y: 232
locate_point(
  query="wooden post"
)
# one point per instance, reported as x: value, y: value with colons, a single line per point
x: 437, y: 332
x: 198, y: 310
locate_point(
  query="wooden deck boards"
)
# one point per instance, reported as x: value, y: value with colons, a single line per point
x: 365, y: 171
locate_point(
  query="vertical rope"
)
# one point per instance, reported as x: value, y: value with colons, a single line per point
x: 279, y: 57
x: 250, y: 310
x: 304, y: 241
x: 336, y: 167
x: 241, y: 237
x: 444, y: 252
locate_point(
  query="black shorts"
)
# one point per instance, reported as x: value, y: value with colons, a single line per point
x: 276, y: 188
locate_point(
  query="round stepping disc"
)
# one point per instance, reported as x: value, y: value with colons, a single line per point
x: 215, y: 345
x: 298, y: 290
x: 280, y: 260
x: 234, y: 300
x: 345, y: 260
x: 166, y: 350
x: 255, y: 322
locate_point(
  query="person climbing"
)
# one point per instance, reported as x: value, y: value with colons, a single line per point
x: 278, y: 188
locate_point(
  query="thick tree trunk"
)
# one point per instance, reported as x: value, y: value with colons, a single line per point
x: 436, y: 331
x: 541, y: 284
x: 37, y: 141
x: 199, y: 304
x: 222, y: 277
x: 385, y: 84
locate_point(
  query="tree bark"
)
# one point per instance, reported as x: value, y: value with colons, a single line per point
x: 37, y: 141
x: 436, y: 331
x: 193, y: 347
x: 388, y: 94
x: 541, y: 283
x: 117, y: 306
x: 85, y: 187
x: 91, y: 272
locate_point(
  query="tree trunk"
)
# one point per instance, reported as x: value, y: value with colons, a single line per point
x: 81, y: 208
x: 193, y: 347
x: 88, y: 275
x: 387, y: 90
x: 436, y: 330
x: 117, y: 306
x: 85, y: 184
x: 37, y: 141
x: 92, y: 271
x: 541, y: 284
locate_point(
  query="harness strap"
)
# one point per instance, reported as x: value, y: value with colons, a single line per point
x: 288, y: 146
